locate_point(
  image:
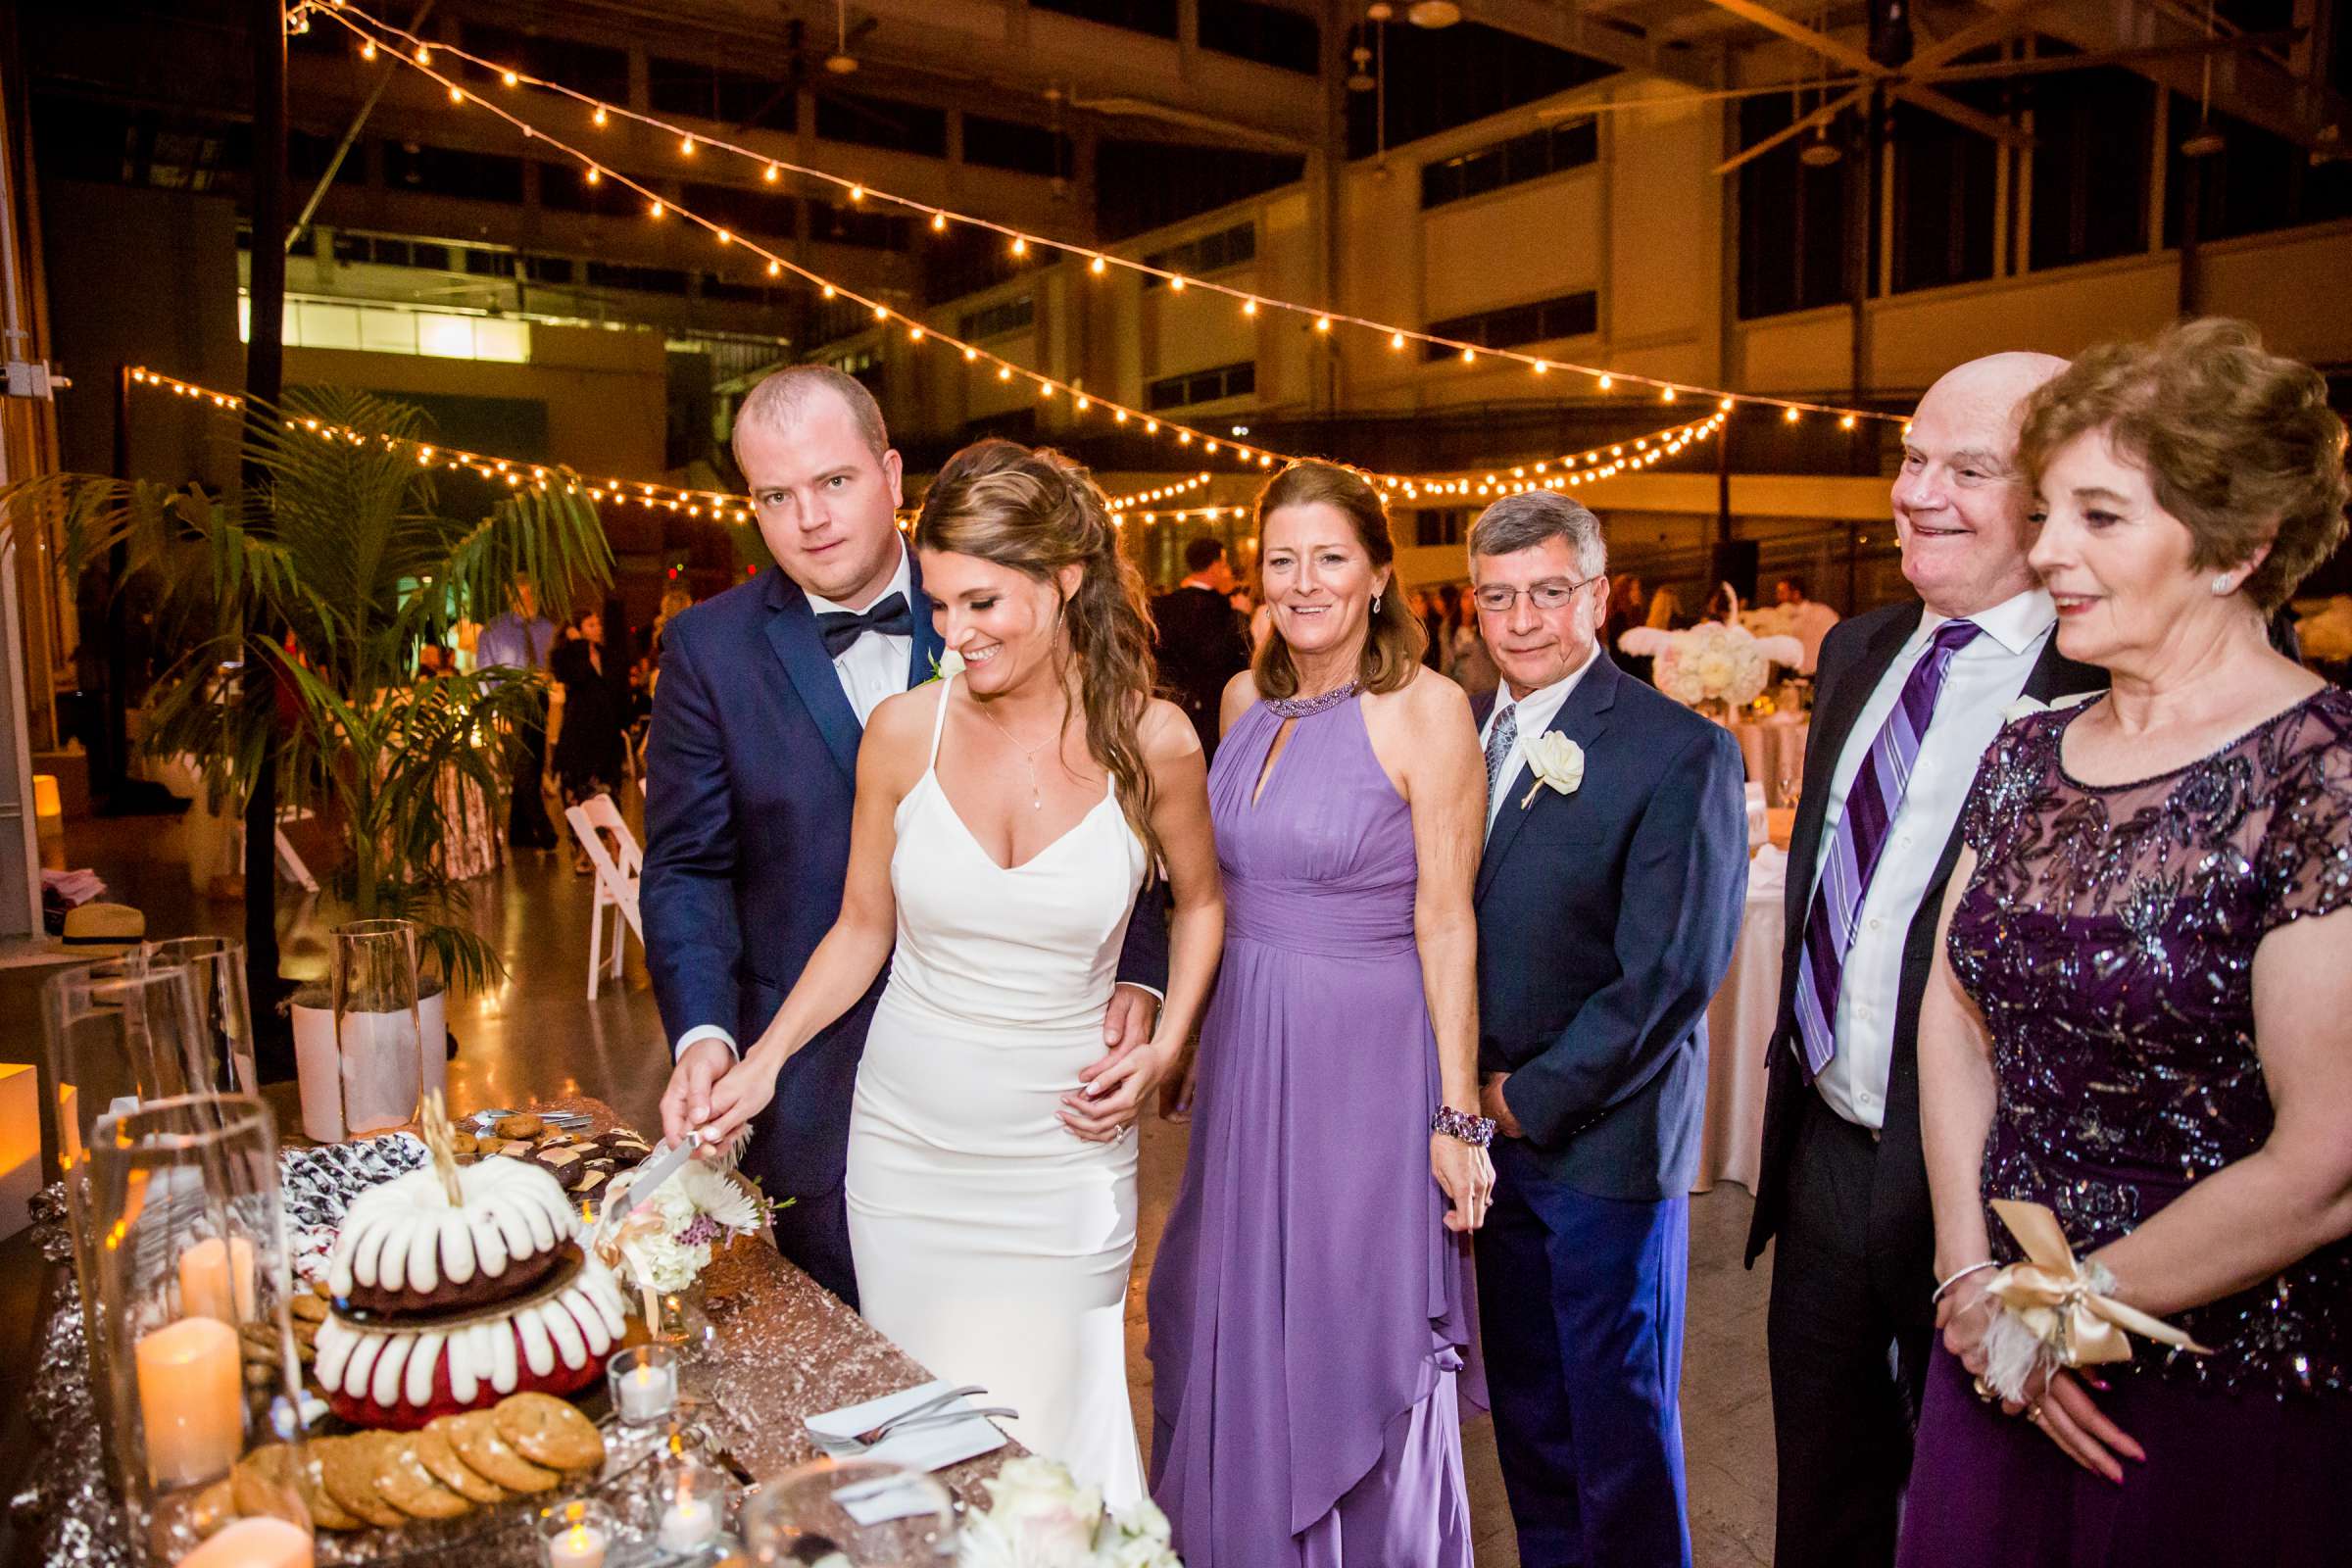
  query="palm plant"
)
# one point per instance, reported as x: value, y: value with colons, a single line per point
x: 296, y: 606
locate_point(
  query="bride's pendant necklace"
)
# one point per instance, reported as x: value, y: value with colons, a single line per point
x: 1037, y: 799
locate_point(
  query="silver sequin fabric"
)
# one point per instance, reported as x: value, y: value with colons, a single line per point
x: 2108, y: 938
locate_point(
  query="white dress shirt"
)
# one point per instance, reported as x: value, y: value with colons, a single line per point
x: 1536, y: 710
x: 1984, y: 680
x: 873, y: 668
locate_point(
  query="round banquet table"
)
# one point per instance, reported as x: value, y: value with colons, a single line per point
x: 1773, y: 750
x: 1739, y: 1024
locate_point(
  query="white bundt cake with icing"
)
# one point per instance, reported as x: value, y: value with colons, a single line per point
x: 405, y: 1248
x: 403, y: 1378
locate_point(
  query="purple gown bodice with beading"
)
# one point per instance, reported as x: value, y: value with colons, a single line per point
x: 2108, y: 938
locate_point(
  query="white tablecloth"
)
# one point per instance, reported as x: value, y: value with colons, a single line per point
x: 1773, y: 750
x: 1739, y: 1032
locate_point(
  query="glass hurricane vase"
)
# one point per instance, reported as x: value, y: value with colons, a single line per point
x: 188, y: 1317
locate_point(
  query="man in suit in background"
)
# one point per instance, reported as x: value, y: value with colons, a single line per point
x: 1908, y: 697
x: 522, y: 639
x: 1606, y: 913
x: 750, y: 776
x: 1200, y: 641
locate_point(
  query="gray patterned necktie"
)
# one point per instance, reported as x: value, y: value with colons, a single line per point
x: 1505, y: 735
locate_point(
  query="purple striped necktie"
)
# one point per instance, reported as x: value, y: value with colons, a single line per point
x: 1871, y: 805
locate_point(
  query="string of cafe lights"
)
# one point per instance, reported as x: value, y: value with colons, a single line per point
x: 657, y: 207
x: 418, y: 53
x: 515, y: 473
x: 1566, y: 472
x: 1570, y: 469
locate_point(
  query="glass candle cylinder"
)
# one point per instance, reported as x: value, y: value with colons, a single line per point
x: 874, y: 1515
x: 577, y: 1535
x: 216, y: 968
x: 116, y: 1033
x: 691, y: 1503
x: 377, y: 1023
x: 189, y: 1264
x: 644, y: 1383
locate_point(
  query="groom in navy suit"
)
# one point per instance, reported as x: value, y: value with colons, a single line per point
x: 750, y: 776
x: 1607, y: 899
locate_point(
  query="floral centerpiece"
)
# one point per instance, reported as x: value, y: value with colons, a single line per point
x: 662, y: 1246
x: 1712, y: 662
x: 1039, y: 1517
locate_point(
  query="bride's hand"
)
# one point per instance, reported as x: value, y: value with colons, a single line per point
x: 1114, y: 1091
x: 740, y: 1096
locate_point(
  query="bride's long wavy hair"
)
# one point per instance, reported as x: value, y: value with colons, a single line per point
x: 1037, y: 512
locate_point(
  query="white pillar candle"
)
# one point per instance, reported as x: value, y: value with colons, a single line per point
x: 254, y: 1544
x: 581, y: 1546
x: 191, y: 1400
x: 216, y: 1279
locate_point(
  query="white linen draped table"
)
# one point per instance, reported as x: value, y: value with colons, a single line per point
x: 1739, y: 1024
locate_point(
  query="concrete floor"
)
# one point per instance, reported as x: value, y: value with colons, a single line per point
x: 535, y: 1033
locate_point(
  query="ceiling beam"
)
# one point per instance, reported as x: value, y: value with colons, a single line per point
x: 1623, y: 45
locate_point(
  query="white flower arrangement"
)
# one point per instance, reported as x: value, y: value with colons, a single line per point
x: 1039, y: 1517
x: 689, y: 1219
x: 1713, y: 663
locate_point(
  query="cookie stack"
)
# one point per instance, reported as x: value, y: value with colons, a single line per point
x: 526, y: 1443
x: 454, y: 1288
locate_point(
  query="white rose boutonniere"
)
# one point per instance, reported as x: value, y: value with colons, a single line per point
x: 1556, y: 760
x: 947, y: 666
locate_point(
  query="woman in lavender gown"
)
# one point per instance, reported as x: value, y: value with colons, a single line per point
x: 1311, y: 1305
x: 2148, y: 1031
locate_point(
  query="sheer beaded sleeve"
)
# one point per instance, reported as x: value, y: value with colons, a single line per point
x: 2005, y: 783
x: 2303, y: 865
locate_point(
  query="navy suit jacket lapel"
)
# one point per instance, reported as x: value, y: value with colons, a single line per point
x: 792, y: 632
x: 1584, y: 717
x: 924, y: 647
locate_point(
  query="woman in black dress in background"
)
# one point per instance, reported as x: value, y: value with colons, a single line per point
x: 590, y: 756
x: 2142, y: 1017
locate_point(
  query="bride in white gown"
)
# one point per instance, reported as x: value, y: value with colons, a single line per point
x: 1005, y: 818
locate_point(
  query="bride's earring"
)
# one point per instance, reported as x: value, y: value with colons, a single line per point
x: 2223, y: 584
x: 1376, y: 604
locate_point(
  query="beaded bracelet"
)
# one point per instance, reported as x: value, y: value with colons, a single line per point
x: 1476, y: 1131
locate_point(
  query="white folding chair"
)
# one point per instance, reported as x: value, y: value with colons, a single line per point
x: 615, y: 883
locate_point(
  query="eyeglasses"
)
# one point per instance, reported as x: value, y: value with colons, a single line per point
x: 1496, y: 599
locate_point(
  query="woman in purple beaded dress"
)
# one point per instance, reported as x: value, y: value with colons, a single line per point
x: 1311, y: 1305
x: 2144, y: 1017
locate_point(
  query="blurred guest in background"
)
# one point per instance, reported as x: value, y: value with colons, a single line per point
x: 1629, y: 605
x: 521, y: 639
x: 1199, y: 639
x: 590, y: 754
x: 1809, y: 620
x: 1665, y: 609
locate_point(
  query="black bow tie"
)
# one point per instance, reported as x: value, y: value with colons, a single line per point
x: 842, y: 627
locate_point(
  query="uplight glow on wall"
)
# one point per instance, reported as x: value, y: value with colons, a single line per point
x: 388, y: 330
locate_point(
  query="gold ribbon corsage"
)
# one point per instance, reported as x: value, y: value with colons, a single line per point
x: 2056, y: 1312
